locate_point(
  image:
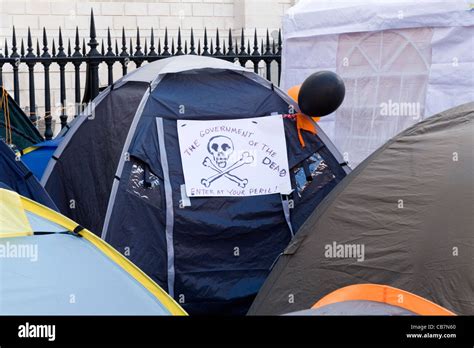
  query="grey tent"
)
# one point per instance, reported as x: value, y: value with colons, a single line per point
x: 122, y: 162
x: 403, y: 218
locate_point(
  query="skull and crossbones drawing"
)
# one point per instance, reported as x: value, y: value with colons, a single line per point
x: 221, y: 147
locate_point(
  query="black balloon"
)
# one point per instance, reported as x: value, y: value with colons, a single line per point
x: 321, y: 93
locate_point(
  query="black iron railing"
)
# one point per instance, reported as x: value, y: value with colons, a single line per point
x: 263, y: 51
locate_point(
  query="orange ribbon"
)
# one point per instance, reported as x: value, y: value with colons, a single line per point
x: 303, y: 122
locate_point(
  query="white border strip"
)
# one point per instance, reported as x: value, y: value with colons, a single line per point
x: 118, y: 173
x: 169, y: 205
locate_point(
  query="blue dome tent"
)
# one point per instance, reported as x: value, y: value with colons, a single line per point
x: 60, y: 258
x: 17, y: 177
x: 210, y: 250
x: 36, y: 157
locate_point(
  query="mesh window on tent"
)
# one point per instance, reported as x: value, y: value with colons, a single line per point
x: 312, y: 168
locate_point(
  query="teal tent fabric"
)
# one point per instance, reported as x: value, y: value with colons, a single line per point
x: 23, y: 132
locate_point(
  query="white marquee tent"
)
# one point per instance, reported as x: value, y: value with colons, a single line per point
x: 401, y: 61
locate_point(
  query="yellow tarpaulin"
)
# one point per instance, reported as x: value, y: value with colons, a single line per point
x: 13, y: 219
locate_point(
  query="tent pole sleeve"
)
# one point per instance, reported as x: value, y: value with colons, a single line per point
x: 169, y: 205
x: 118, y: 173
x: 286, y: 210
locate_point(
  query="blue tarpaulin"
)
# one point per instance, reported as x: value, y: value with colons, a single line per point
x: 37, y: 157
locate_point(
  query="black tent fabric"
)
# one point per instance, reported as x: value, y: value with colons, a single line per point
x: 15, y: 127
x: 85, y: 166
x: 15, y: 176
x: 403, y: 218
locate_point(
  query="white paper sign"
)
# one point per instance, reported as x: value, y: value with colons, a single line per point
x: 245, y: 157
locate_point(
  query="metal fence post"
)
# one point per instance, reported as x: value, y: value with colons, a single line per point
x: 93, y: 61
x: 48, y: 132
x: 31, y: 76
x: 62, y: 61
